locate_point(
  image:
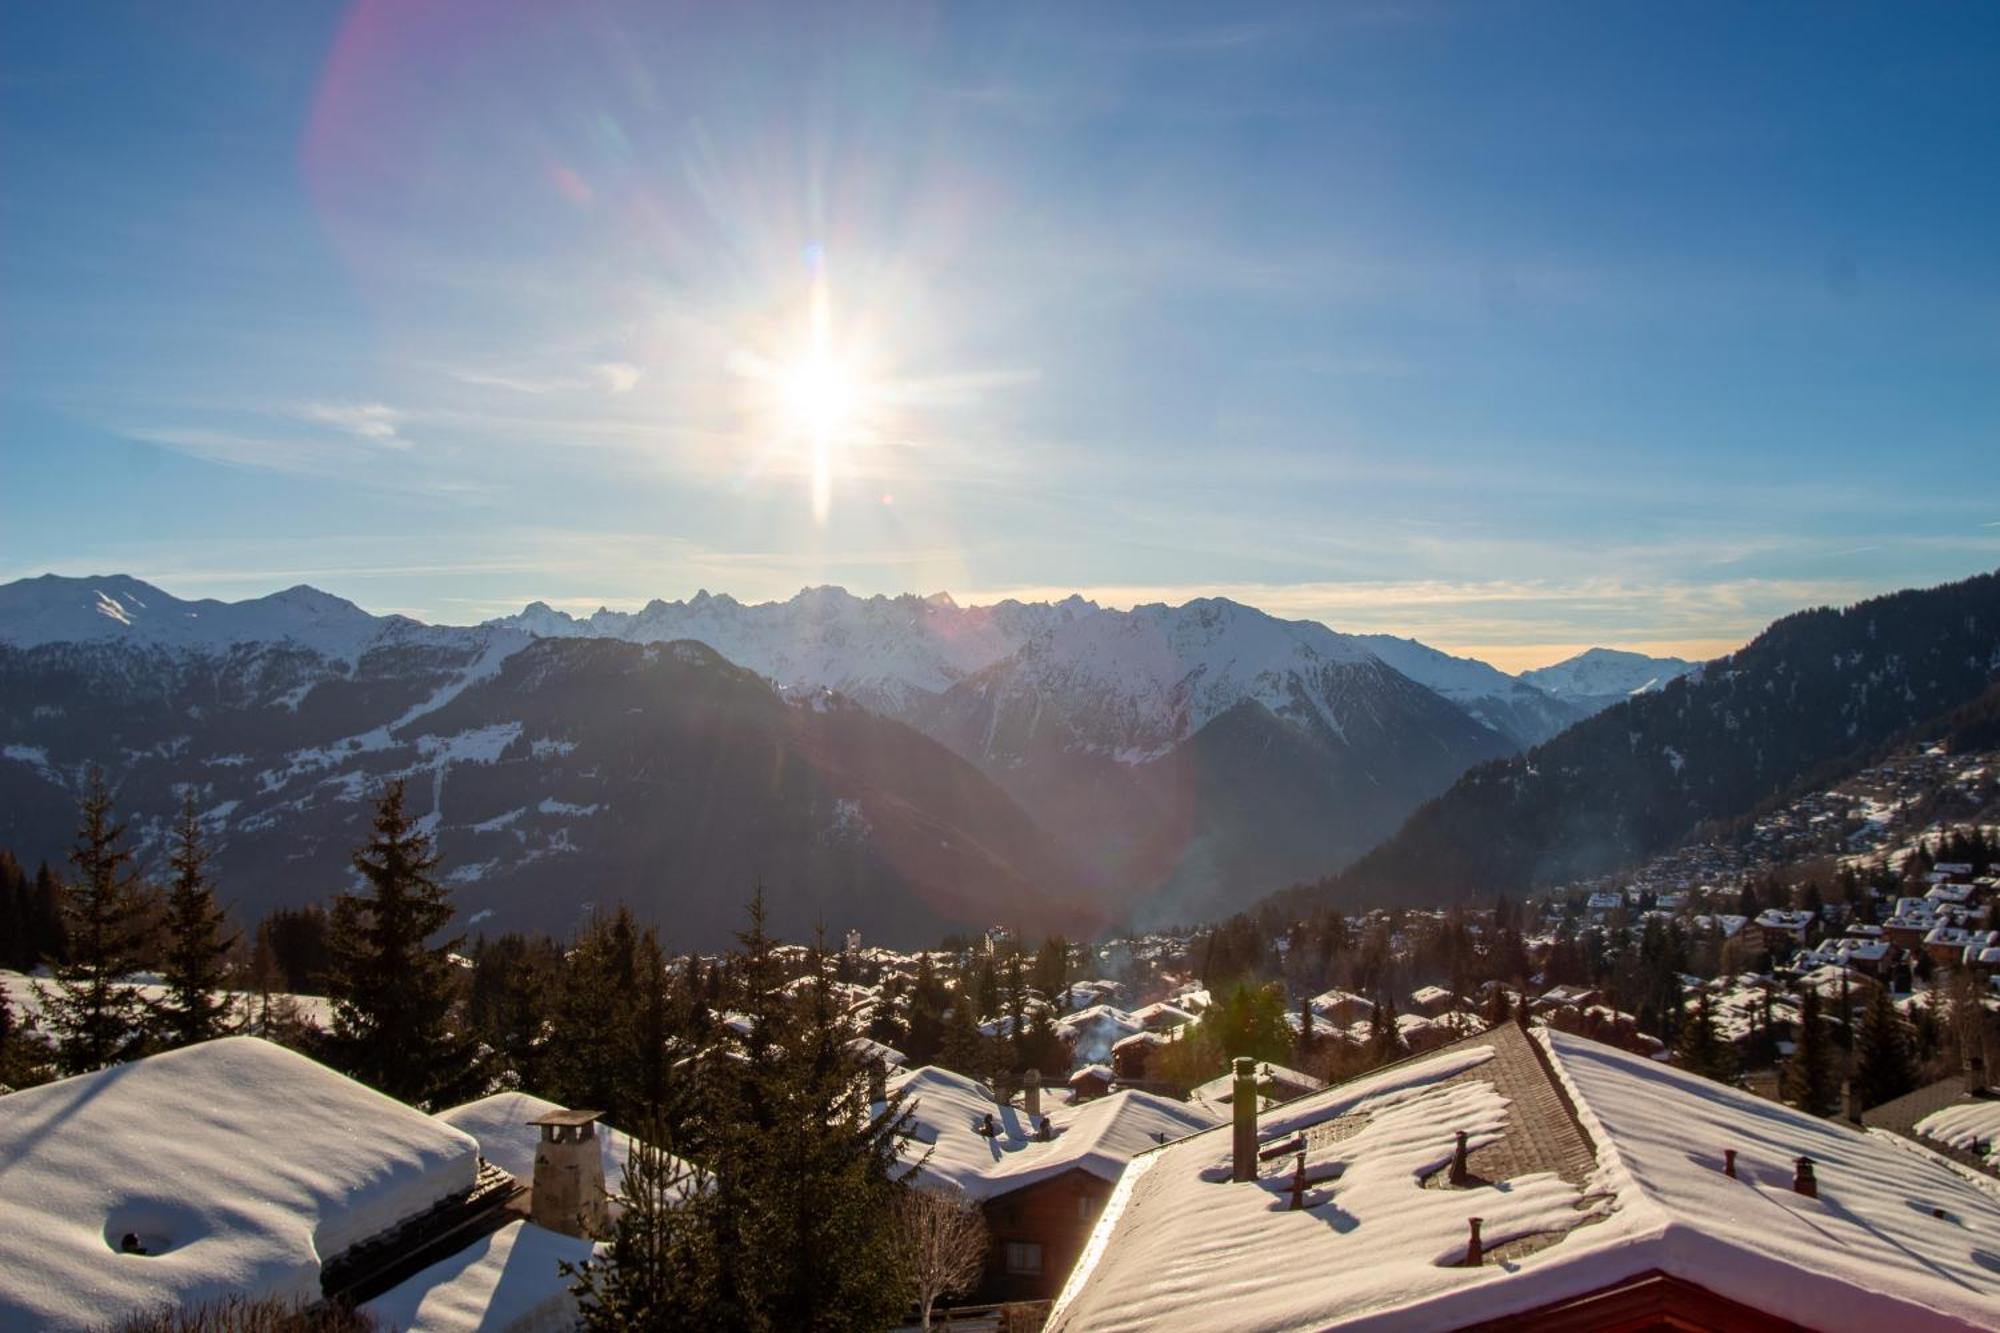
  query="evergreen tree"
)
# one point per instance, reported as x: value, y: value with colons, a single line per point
x: 15, y: 945
x: 928, y: 1000
x: 962, y: 1048
x: 1885, y: 1066
x: 608, y: 1034
x: 195, y: 1007
x: 97, y: 1020
x: 1700, y: 1048
x: 658, y: 1270
x: 1812, y: 1079
x: 509, y: 1002
x: 394, y: 992
x: 806, y: 1171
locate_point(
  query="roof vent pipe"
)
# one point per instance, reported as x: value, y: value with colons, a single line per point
x: 1475, y: 1253
x: 1243, y: 1102
x: 1729, y: 1162
x: 1459, y: 1174
x: 1803, y: 1180
x: 1031, y: 1093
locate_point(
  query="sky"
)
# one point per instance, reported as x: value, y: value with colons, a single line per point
x: 1516, y: 328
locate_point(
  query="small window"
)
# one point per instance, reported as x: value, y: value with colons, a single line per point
x: 1024, y: 1256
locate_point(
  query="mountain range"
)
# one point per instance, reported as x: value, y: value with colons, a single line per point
x: 1808, y: 699
x: 904, y: 764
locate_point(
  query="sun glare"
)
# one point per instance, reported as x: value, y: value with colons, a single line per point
x: 818, y: 396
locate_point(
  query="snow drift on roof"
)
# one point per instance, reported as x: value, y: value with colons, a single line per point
x: 508, y: 1282
x: 1180, y: 1246
x: 240, y: 1166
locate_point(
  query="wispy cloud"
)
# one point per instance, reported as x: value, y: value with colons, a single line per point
x: 369, y: 421
x: 609, y: 376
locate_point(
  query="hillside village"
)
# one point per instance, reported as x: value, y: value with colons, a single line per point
x: 1835, y: 958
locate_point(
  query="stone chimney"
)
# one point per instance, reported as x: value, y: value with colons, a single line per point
x: 1031, y: 1094
x: 1243, y: 1101
x: 569, y: 1175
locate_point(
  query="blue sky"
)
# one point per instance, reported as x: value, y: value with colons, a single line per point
x: 1514, y: 327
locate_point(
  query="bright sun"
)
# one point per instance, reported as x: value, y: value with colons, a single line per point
x: 819, y: 397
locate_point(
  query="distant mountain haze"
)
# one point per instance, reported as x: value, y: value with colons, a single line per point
x: 903, y: 764
x: 1816, y: 690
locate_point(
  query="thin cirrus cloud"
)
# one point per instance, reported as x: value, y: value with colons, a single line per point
x: 369, y: 421
x: 616, y: 377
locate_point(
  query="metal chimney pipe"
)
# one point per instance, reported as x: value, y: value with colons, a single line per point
x: 1475, y: 1253
x: 1243, y: 1101
x: 1729, y: 1162
x: 1803, y: 1180
x: 1459, y: 1174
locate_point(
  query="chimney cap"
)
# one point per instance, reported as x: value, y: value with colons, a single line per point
x: 1246, y: 1066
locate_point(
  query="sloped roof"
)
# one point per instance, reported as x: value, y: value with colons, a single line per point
x: 1098, y: 1136
x: 240, y: 1166
x: 503, y: 1124
x: 1606, y: 1166
x: 508, y: 1282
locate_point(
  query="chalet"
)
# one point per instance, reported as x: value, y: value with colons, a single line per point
x: 1958, y: 1117
x: 1778, y: 930
x: 1567, y: 997
x: 1430, y: 1001
x: 1343, y: 1007
x: 1090, y: 1082
x: 1161, y: 1017
x: 1518, y: 1181
x: 1092, y: 1032
x: 1040, y: 1173
x: 239, y: 1168
x: 1130, y: 1055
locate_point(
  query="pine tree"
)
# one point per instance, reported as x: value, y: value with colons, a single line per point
x: 1885, y: 1066
x: 1812, y: 1079
x: 195, y: 1007
x: 95, y: 1018
x: 15, y: 944
x: 1701, y: 1048
x: 928, y: 1000
x: 658, y: 1269
x: 394, y: 992
x: 961, y: 1046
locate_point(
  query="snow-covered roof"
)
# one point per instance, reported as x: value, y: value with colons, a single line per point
x: 240, y: 1166
x: 1097, y: 1136
x: 1969, y: 1126
x: 508, y: 1282
x: 1222, y: 1091
x: 506, y: 1139
x: 1374, y: 1249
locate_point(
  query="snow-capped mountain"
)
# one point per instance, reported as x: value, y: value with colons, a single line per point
x: 1183, y: 751
x: 1596, y: 679
x: 1513, y: 706
x: 116, y: 608
x: 1814, y: 694
x: 554, y: 774
x: 1178, y: 756
x: 883, y: 652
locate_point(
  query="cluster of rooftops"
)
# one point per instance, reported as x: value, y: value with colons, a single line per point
x: 1519, y: 1178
